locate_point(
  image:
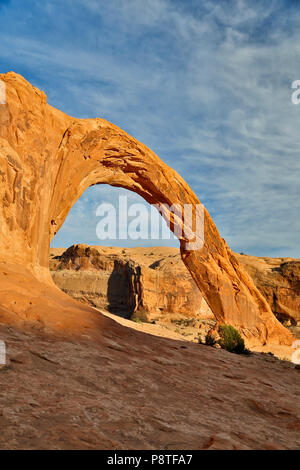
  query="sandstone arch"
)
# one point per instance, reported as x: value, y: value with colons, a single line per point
x: 47, y: 160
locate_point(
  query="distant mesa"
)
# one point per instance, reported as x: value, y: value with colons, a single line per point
x: 148, y: 283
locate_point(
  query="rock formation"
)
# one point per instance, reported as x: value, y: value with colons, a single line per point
x: 154, y: 284
x: 150, y: 283
x: 278, y: 279
x: 47, y: 161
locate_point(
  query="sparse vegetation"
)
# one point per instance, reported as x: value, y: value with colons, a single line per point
x: 229, y: 339
x: 136, y: 320
x: 183, y: 322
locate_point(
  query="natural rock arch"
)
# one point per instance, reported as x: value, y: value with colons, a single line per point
x: 47, y: 161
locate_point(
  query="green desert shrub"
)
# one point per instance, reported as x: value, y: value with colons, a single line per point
x: 136, y: 319
x: 231, y: 340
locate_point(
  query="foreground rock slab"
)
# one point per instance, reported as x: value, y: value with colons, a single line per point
x: 130, y: 390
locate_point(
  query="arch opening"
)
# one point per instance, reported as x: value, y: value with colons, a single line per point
x: 141, y: 278
x: 133, y: 220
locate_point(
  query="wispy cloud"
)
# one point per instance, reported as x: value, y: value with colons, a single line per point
x: 207, y: 85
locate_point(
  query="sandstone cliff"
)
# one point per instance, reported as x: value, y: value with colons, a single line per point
x: 153, y: 283
x: 278, y: 279
x: 149, y: 282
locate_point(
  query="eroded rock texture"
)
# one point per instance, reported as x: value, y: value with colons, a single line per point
x: 47, y: 160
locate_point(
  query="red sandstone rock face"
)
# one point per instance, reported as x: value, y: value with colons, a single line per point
x: 47, y: 160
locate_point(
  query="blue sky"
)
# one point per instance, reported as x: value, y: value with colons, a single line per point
x: 205, y: 84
